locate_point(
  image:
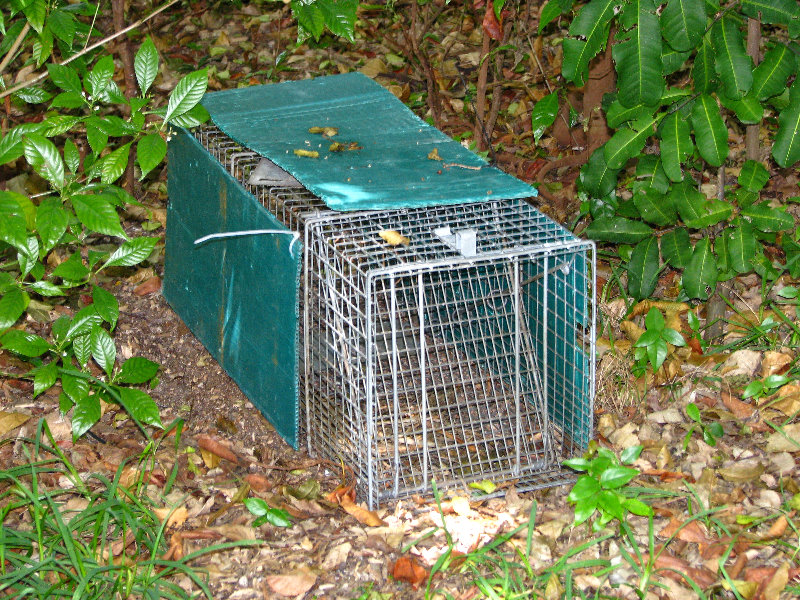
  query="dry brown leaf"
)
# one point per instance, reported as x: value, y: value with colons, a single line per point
x: 235, y: 532
x: 788, y: 401
x: 174, y: 518
x: 293, y: 583
x: 743, y: 471
x: 777, y: 583
x: 361, y: 514
x: 775, y: 363
x: 258, y: 483
x: 678, y: 569
x: 210, y: 460
x: 214, y: 446
x: 746, y: 589
x: 434, y: 154
x: 786, y: 441
x: 337, y: 556
x: 11, y: 420
x: 740, y: 410
x: 491, y: 25
x: 409, y: 570
x: 778, y: 528
x: 631, y: 330
x: 393, y: 238
x: 148, y: 286
x: 692, y: 532
x: 554, y: 590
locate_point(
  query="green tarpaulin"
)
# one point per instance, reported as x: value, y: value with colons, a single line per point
x: 394, y: 165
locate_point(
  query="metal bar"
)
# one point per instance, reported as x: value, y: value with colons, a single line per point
x: 423, y: 374
x: 395, y: 383
x: 517, y: 375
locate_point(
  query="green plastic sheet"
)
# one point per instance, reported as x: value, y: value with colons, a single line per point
x: 394, y: 165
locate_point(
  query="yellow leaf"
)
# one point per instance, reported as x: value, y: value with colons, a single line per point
x: 11, y: 420
x: 307, y: 153
x: 362, y: 515
x: 434, y: 154
x: 393, y: 238
x: 326, y: 131
x: 210, y: 459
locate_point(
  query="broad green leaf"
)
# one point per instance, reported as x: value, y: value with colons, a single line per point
x: 748, y: 110
x: 616, y: 477
x: 618, y: 230
x: 703, y: 75
x: 114, y: 164
x: 150, y: 151
x: 711, y: 134
x: 650, y: 176
x: 71, y: 156
x: 700, y: 275
x: 628, y: 142
x: 33, y: 95
x: 20, y: 205
x: 46, y: 288
x: 59, y: 125
x: 676, y: 144
x: 637, y: 55
x: 74, y: 387
x: 83, y: 322
x: 36, y: 11
x: 611, y: 503
x: 145, y: 65
x: 51, y: 222
x: 584, y: 509
x: 544, y: 115
x: 741, y: 247
x: 786, y: 147
x: 637, y: 507
x: 753, y: 176
x: 140, y: 406
x: 618, y: 113
x: 656, y: 208
x: 71, y: 269
x: 732, y: 64
x: 643, y: 268
x: 104, y: 351
x: 672, y: 60
x: 630, y: 454
x: 45, y: 377
x: 95, y: 135
x: 696, y: 210
x: 584, y: 487
x: 10, y: 148
x: 97, y: 80
x: 550, y: 12
x: 96, y: 213
x: 192, y: 118
x: 590, y: 25
x: 768, y: 219
x: 595, y: 176
x: 792, y: 251
x: 769, y: 77
x: 309, y: 19
x: 24, y: 343
x: 683, y: 23
x: 137, y: 370
x: 132, y: 252
x: 187, y: 93
x: 676, y: 249
x: 106, y: 305
x: 85, y: 414
x: 770, y: 11
x: 68, y: 100
x: 12, y: 305
x: 654, y: 321
x: 62, y: 25
x: 673, y: 337
x: 43, y: 156
x: 339, y: 16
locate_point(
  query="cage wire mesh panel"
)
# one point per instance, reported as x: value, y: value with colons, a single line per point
x: 466, y: 354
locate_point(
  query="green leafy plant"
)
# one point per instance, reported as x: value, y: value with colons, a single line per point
x: 599, y: 489
x: 652, y: 344
x: 654, y: 52
x: 69, y: 550
x: 267, y: 514
x: 764, y: 387
x: 52, y: 245
x: 314, y: 16
x: 711, y: 431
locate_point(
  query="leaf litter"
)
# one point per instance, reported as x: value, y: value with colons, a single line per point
x: 725, y: 515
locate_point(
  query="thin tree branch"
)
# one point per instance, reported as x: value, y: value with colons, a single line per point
x: 104, y: 41
x: 14, y: 47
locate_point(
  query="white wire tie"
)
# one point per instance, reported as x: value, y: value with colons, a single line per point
x: 214, y: 236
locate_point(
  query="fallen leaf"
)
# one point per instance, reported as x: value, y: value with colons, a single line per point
x: 393, y: 238
x: 787, y: 440
x: 491, y: 25
x: 691, y: 532
x: 11, y: 420
x: 148, y: 286
x: 337, y: 556
x: 434, y: 154
x: 361, y: 514
x: 774, y: 363
x: 746, y: 589
x: 777, y: 583
x: 210, y: 460
x: 743, y: 471
x: 740, y: 410
x: 174, y: 518
x: 206, y: 442
x: 778, y: 528
x: 553, y: 590
x: 235, y: 533
x: 293, y: 583
x: 257, y: 482
x: 307, y: 153
x: 409, y: 570
x: 678, y: 569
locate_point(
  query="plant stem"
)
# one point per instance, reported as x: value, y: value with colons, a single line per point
x: 14, y: 47
x: 753, y: 42
x: 105, y: 40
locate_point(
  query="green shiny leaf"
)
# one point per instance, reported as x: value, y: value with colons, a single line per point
x: 105, y: 305
x: 45, y: 377
x: 145, y: 65
x: 97, y: 213
x: 676, y: 249
x: 12, y: 304
x: 700, y: 275
x: 732, y: 64
x: 711, y: 134
x: 768, y: 219
x: 104, y: 351
x: 781, y: 12
x: 637, y: 55
x: 588, y: 35
x: 43, y: 156
x: 85, y: 414
x: 643, y: 268
x: 618, y: 230
x: 140, y: 406
x: 596, y: 177
x: 187, y: 93
x: 769, y: 77
x: 51, y: 222
x: 703, y: 74
x: 132, y: 252
x: 150, y: 151
x: 616, y: 477
x: 683, y: 23
x: 544, y: 115
x: 753, y: 176
x: 676, y: 144
x: 786, y: 146
x: 24, y: 343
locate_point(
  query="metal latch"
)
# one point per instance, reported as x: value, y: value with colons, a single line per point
x: 464, y: 241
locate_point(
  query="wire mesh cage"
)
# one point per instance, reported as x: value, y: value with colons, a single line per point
x: 462, y: 352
